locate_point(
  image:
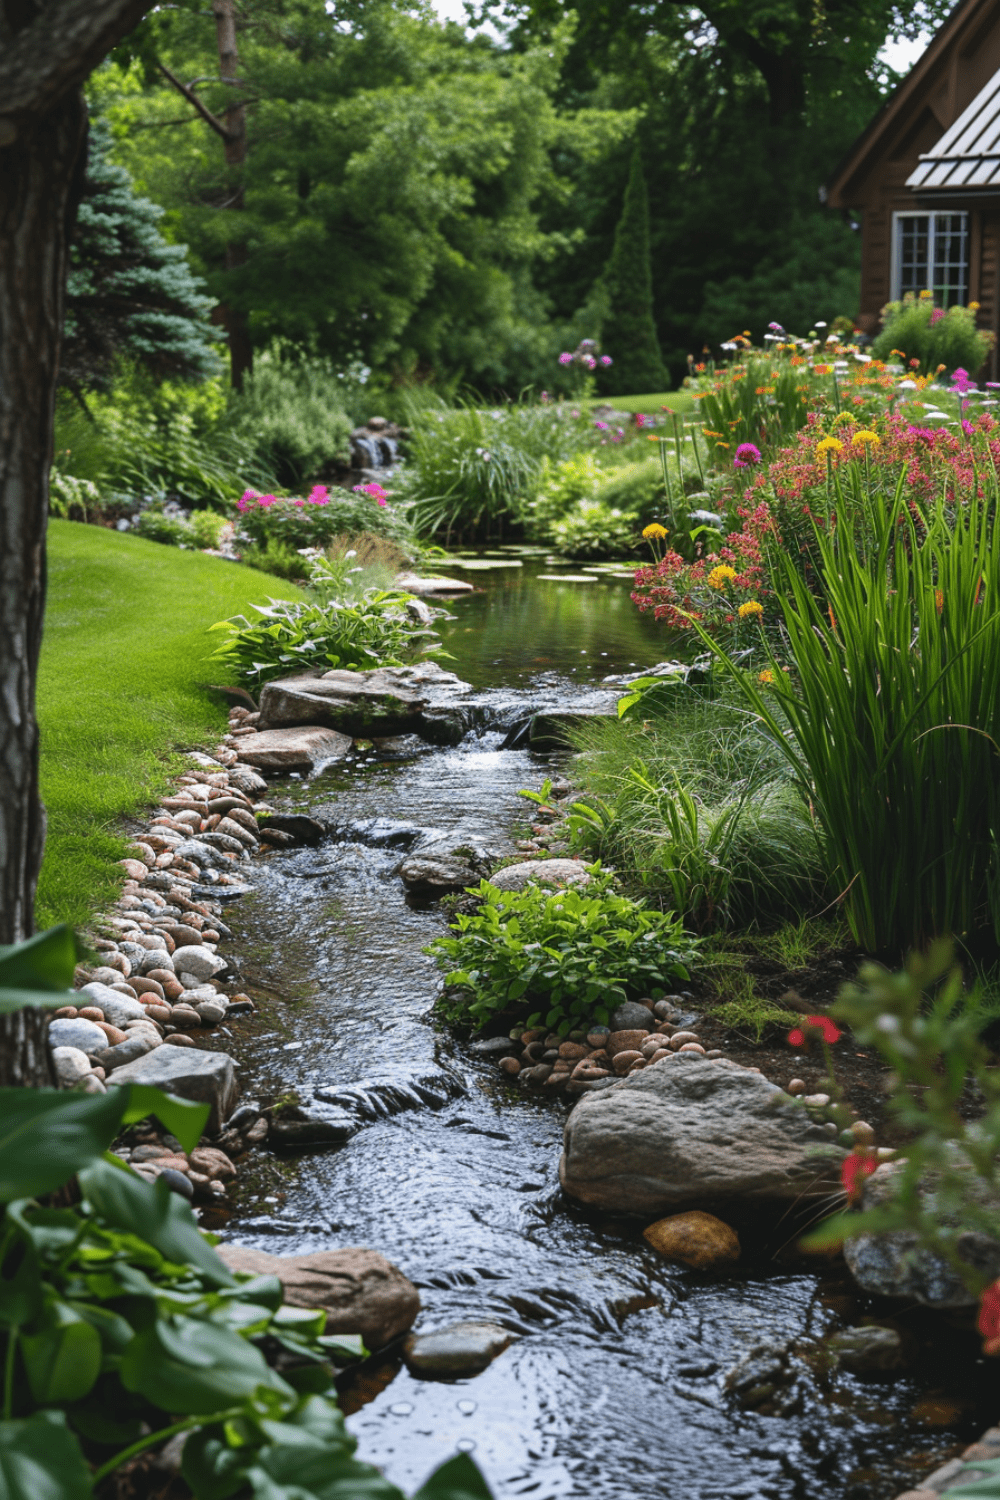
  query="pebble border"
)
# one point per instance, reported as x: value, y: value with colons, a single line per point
x: 954, y: 1475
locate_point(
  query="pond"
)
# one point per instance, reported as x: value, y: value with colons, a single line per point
x: 611, y: 1388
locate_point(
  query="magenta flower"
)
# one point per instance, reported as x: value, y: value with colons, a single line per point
x: 937, y: 315
x: 377, y: 493
x: 590, y: 361
x: 319, y: 495
x: 962, y: 381
x: 747, y: 454
x: 640, y: 419
x: 601, y: 426
x: 606, y: 360
x: 967, y: 427
x: 565, y: 359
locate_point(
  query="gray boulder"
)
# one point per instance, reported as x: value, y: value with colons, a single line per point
x: 204, y: 1077
x: 71, y: 1065
x: 135, y: 1046
x: 632, y: 1017
x: 894, y: 1265
x: 869, y: 1350
x: 198, y: 961
x: 116, y: 1007
x: 303, y: 749
x: 458, y: 1350
x: 361, y: 1291
x: 687, y: 1131
x: 539, y: 872
x: 371, y: 705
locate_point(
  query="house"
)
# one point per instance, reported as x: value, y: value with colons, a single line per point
x: 924, y: 178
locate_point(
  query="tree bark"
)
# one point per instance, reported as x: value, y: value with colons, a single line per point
x: 236, y: 322
x: 46, y: 51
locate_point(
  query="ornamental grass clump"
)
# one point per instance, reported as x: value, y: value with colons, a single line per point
x: 890, y: 713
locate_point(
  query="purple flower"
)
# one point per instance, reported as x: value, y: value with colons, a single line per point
x: 601, y: 426
x: 747, y: 454
x: 967, y: 427
x: 775, y: 327
x: 606, y: 360
x: 565, y: 359
x: 962, y: 381
x: 937, y: 315
x: 590, y: 361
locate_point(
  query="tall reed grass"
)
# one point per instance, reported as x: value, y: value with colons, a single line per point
x: 889, y: 716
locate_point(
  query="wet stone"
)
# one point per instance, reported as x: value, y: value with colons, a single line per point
x: 868, y: 1351
x: 460, y: 1349
x: 493, y: 1046
x: 632, y: 1017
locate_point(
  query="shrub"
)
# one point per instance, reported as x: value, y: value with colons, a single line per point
x: 71, y: 498
x: 571, y: 955
x: 629, y: 326
x: 594, y: 530
x: 316, y: 520
x: 561, y: 486
x: 154, y: 526
x: 930, y: 339
x: 890, y: 716
x: 206, y: 527
x: 277, y: 558
x: 374, y: 631
x: 291, y: 412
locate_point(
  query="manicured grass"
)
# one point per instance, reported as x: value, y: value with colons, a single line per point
x: 121, y: 687
x: 679, y: 401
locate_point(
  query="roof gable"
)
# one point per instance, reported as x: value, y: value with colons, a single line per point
x: 967, y: 155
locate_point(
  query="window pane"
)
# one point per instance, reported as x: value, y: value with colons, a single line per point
x: 951, y: 259
x: 913, y: 233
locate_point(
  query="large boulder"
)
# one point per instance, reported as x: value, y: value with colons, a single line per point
x: 361, y: 1291
x: 204, y: 1077
x: 434, y: 874
x: 527, y: 872
x: 387, y: 701
x: 294, y: 749
x: 894, y: 1265
x: 688, y: 1131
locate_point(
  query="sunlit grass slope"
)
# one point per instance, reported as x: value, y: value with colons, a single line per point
x: 121, y: 686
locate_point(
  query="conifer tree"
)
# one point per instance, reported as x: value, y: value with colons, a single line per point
x: 129, y: 292
x: 629, y: 332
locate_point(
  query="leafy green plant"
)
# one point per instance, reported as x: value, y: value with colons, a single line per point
x: 123, y: 1328
x: 291, y: 411
x: 72, y: 498
x: 890, y: 722
x: 918, y: 330
x: 595, y: 530
x: 206, y: 527
x: 317, y: 522
x: 154, y: 526
x: 573, y: 953
x: 560, y: 487
x: 278, y: 558
x: 373, y: 631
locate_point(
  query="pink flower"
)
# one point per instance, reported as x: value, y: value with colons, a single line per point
x: 937, y: 315
x: 962, y: 381
x: 606, y: 360
x: 601, y: 426
x: 565, y: 359
x: 319, y: 495
x: 967, y: 427
x: 377, y: 493
x: 640, y: 419
x: 747, y: 454
x: 590, y: 361
x: 298, y: 504
x: 246, y: 500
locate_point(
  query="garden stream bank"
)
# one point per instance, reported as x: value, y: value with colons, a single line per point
x: 611, y: 1386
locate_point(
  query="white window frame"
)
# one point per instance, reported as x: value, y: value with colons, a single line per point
x: 931, y: 215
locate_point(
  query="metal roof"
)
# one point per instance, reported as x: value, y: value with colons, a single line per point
x: 967, y: 157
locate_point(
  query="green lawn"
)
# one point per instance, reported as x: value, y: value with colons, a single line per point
x: 651, y: 406
x: 120, y: 688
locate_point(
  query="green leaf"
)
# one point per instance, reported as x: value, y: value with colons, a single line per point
x: 457, y: 1479
x: 40, y: 1459
x: 46, y: 1136
x: 44, y: 962
x: 63, y: 1359
x: 184, y: 1365
x: 212, y: 1469
x: 182, y: 1118
x: 153, y: 1212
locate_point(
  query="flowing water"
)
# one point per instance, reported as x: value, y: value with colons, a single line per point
x: 611, y: 1388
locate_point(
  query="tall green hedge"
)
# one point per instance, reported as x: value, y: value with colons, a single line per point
x: 629, y: 332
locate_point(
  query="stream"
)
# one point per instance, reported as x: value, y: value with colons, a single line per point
x: 611, y: 1388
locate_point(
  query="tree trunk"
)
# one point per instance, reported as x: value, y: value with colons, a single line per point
x: 236, y: 322
x: 41, y: 171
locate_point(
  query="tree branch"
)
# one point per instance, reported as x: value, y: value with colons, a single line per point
x: 192, y: 99
x: 52, y: 56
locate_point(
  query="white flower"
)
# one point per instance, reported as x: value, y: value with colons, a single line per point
x: 353, y: 553
x: 907, y: 385
x: 823, y: 325
x: 863, y: 359
x: 831, y: 338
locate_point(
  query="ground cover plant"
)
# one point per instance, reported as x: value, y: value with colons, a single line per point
x: 124, y: 1329
x: 121, y: 683
x: 568, y: 956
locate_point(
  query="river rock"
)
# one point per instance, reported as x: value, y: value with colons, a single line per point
x: 71, y: 1065
x: 698, y: 1239
x: 245, y: 779
x: 330, y: 1129
x: 434, y: 584
x: 294, y: 749
x: 460, y: 1349
x: 204, y: 1077
x: 198, y: 961
x: 539, y: 872
x: 869, y: 1350
x: 632, y: 1017
x: 433, y: 874
x: 116, y: 1008
x: 693, y: 1131
x: 367, y: 705
x: 361, y: 1291
x: 78, y: 1033
x: 300, y: 828
x: 894, y: 1265
x: 135, y: 1046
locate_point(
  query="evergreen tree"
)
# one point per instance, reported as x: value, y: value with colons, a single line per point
x: 129, y: 293
x: 629, y: 332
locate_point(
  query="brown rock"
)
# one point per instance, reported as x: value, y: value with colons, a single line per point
x: 659, y: 1055
x: 215, y: 1164
x: 361, y: 1291
x: 65, y: 1013
x: 680, y: 1038
x: 692, y: 1047
x: 625, y: 1041
x: 159, y: 1013
x: 698, y: 1239
x: 573, y: 1050
x: 146, y: 986
x: 294, y: 749
x: 178, y: 1039
x: 510, y: 1065
x: 185, y: 1017
x: 622, y: 1061
x: 588, y: 1069
x: 183, y: 935
x: 112, y: 1033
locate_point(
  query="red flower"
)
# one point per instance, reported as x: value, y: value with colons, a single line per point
x: 796, y: 1037
x: 855, y: 1167
x: 825, y: 1026
x: 988, y: 1321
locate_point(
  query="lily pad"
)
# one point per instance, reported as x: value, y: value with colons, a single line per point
x: 565, y: 577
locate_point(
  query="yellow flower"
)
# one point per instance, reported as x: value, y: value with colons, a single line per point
x: 845, y: 419
x: 926, y: 293
x: 866, y: 439
x: 751, y: 610
x: 829, y: 445
x: 654, y: 529
x: 720, y: 576
x: 973, y: 307
x: 766, y: 678
x: 709, y: 433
